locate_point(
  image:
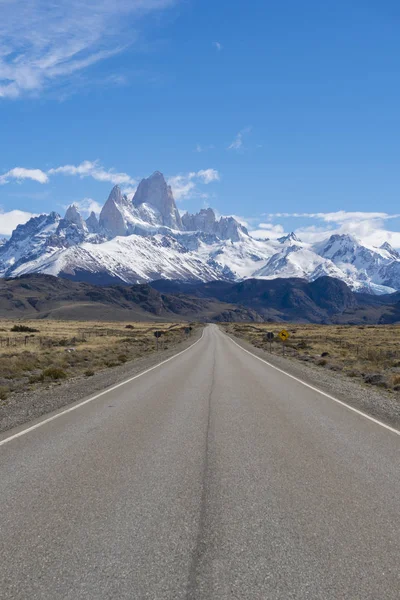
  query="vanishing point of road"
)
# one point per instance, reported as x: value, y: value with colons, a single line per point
x: 212, y: 476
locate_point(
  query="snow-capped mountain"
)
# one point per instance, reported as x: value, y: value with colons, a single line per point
x: 146, y: 238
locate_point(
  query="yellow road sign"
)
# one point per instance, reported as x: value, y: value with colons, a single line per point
x: 284, y: 335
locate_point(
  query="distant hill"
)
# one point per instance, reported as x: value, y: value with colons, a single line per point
x: 325, y: 300
x: 45, y: 296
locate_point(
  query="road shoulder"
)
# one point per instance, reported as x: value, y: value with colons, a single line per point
x: 24, y: 408
x: 377, y: 403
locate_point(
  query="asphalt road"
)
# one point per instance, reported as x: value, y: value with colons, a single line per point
x: 211, y: 477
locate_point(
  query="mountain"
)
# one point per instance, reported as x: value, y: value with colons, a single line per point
x: 155, y: 196
x: 146, y: 238
x: 45, y: 296
x: 325, y: 300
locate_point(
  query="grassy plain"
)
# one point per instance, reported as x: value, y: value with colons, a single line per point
x: 370, y: 353
x: 57, y: 350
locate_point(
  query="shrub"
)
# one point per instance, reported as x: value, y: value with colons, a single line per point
x: 302, y: 345
x: 24, y: 329
x: 111, y: 363
x: 129, y: 327
x: 353, y: 373
x: 89, y: 373
x: 3, y: 392
x: 395, y: 380
x: 321, y: 362
x: 375, y: 379
x: 38, y: 378
x: 55, y: 373
x: 122, y: 358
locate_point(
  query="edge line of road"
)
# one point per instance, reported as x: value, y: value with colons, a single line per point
x: 315, y: 389
x: 96, y: 396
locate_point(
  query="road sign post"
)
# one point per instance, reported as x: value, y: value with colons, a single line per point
x: 157, y: 335
x: 284, y: 335
x: 270, y: 336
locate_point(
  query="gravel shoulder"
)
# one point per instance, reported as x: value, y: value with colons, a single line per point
x: 25, y: 407
x: 378, y: 403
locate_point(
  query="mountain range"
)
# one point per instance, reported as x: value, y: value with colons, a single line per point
x: 146, y: 239
x: 326, y: 300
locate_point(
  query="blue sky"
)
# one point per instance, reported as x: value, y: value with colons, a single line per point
x: 258, y: 109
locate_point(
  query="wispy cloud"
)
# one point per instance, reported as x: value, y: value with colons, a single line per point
x: 199, y: 148
x: 20, y: 173
x: 218, y: 46
x: 340, y: 216
x: 94, y: 169
x: 42, y: 41
x: 237, y: 143
x: 185, y: 185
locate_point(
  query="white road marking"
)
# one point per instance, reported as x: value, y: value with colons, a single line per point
x: 76, y: 406
x: 359, y: 412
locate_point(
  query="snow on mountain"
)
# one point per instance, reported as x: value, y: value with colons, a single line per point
x: 291, y: 238
x: 130, y: 259
x: 34, y: 239
x: 146, y: 238
x: 298, y: 261
x: 372, y: 269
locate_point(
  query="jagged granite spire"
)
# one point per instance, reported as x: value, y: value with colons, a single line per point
x: 111, y: 218
x: 155, y: 192
x: 73, y: 216
x: 227, y: 228
x: 92, y: 223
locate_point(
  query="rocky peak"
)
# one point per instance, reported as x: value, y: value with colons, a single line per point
x: 73, y: 216
x: 203, y: 221
x: 116, y: 195
x: 34, y: 226
x: 386, y: 246
x: 155, y: 192
x: 291, y: 237
x: 227, y: 228
x: 92, y: 223
x: 111, y: 218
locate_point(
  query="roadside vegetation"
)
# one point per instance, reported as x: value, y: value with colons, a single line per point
x: 368, y: 353
x: 45, y: 353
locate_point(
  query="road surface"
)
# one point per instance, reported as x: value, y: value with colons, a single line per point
x: 213, y: 476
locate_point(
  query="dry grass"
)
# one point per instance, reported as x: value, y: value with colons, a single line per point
x: 64, y: 349
x: 368, y: 352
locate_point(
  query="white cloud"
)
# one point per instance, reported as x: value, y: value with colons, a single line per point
x: 268, y: 231
x: 185, y: 185
x: 367, y: 226
x: 340, y: 216
x: 237, y: 143
x: 19, y: 173
x: 42, y: 41
x: 218, y: 46
x: 87, y: 206
x: 129, y: 191
x: 207, y: 175
x: 95, y: 170
x: 10, y: 220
